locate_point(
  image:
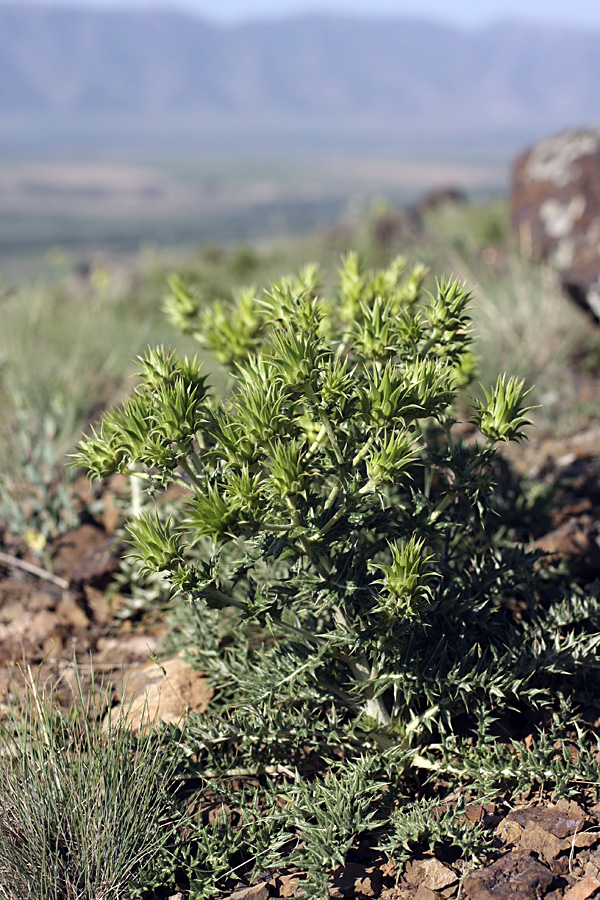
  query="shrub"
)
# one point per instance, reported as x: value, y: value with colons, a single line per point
x: 351, y: 594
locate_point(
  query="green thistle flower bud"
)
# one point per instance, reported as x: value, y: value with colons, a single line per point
x: 210, y: 515
x: 245, y: 493
x: 391, y: 460
x: 502, y: 416
x: 390, y: 396
x: 181, y: 306
x: 406, y: 586
x: 287, y: 474
x: 156, y: 546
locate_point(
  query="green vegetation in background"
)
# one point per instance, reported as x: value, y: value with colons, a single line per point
x: 522, y: 320
x: 111, y: 206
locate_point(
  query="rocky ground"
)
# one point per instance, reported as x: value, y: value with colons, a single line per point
x: 52, y: 616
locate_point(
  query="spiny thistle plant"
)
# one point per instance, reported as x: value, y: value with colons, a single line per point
x: 334, y: 521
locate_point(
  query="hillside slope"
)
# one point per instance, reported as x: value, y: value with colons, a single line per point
x: 143, y: 72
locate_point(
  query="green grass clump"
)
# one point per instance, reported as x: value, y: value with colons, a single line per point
x: 84, y: 808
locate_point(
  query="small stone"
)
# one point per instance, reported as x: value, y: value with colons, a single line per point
x: 450, y: 892
x: 585, y: 839
x: 474, y: 813
x: 561, y: 824
x: 575, y: 541
x: 541, y: 842
x: 432, y: 873
x: 573, y: 809
x: 122, y: 651
x: 42, y: 626
x: 425, y: 893
x: 370, y: 885
x: 509, y: 831
x: 41, y: 600
x: 592, y: 868
x: 112, y: 514
x: 85, y: 554
x: 70, y: 613
x: 98, y: 604
x: 287, y: 885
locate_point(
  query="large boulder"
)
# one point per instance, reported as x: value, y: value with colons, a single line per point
x: 555, y: 209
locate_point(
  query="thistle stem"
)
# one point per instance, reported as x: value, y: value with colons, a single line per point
x: 136, y: 495
x: 191, y: 474
x: 362, y: 452
x: 316, y: 443
x: 332, y: 438
x: 333, y: 495
x: 332, y: 522
x: 197, y: 461
x: 374, y: 707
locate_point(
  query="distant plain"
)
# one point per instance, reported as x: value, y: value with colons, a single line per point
x: 114, y: 207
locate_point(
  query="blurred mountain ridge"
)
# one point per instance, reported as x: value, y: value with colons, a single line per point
x: 70, y: 72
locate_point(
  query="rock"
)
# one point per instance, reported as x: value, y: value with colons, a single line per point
x: 42, y: 626
x: 587, y: 887
x: 123, y: 651
x: 69, y: 612
x: 542, y: 842
x: 509, y: 831
x: 515, y: 876
x: 476, y: 813
x: 255, y: 892
x: 432, y: 873
x: 163, y: 691
x: 425, y: 893
x: 287, y: 885
x: 547, y: 831
x: 555, y: 210
x: 370, y: 884
x: 560, y: 822
x: 350, y: 879
x: 397, y: 893
x: 592, y: 866
x: 578, y: 541
x: 98, y: 605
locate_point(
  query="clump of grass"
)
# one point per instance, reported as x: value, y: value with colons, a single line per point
x: 83, y: 804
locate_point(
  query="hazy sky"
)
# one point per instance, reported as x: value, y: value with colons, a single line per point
x: 578, y: 13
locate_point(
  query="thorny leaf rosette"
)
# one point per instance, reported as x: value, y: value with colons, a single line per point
x: 332, y: 515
